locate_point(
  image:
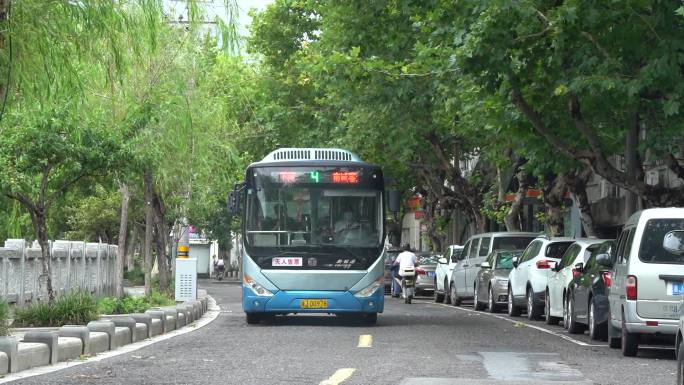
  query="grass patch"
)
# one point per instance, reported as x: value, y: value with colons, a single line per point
x: 75, y: 308
x: 4, y: 316
x: 127, y: 305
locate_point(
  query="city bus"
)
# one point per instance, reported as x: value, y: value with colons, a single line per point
x: 313, y: 233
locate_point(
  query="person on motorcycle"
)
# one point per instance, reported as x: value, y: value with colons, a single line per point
x: 221, y: 267
x: 405, y: 259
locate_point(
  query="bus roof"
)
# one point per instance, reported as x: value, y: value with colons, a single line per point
x: 314, y: 154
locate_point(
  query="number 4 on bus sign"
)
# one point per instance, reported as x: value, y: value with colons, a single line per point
x: 315, y: 176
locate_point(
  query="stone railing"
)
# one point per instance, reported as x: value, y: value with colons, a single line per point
x: 75, y: 266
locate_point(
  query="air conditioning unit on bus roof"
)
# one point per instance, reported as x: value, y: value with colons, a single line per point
x: 298, y: 154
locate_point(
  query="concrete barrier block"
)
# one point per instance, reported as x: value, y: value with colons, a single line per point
x: 51, y: 339
x: 180, y: 321
x: 123, y: 335
x: 145, y: 319
x: 170, y: 311
x: 141, y: 331
x: 170, y: 323
x: 4, y: 363
x: 99, y: 342
x: 156, y: 327
x: 187, y: 310
x: 205, y: 303
x: 159, y: 315
x: 9, y: 346
x: 197, y: 308
x: 77, y: 331
x: 123, y: 321
x: 32, y: 354
x: 69, y: 348
x: 107, y: 327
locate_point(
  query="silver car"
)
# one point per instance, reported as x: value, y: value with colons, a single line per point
x: 425, y: 278
x: 491, y: 282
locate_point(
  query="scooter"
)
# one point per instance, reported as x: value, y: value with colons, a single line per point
x: 408, y: 283
x: 220, y: 272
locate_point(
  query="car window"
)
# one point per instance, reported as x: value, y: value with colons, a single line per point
x: 484, y: 246
x: 556, y: 249
x: 505, y: 260
x: 456, y: 255
x: 473, y: 248
x: 621, y: 245
x: 464, y: 252
x: 428, y: 259
x: 590, y: 251
x: 531, y: 251
x: 651, y: 249
x: 512, y: 243
x: 569, y: 256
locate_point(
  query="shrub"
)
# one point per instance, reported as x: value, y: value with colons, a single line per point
x: 157, y: 298
x: 74, y: 308
x: 128, y: 304
x: 4, y: 316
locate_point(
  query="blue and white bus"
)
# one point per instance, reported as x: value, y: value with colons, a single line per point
x: 313, y: 234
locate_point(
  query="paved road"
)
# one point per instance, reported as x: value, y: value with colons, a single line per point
x: 423, y: 343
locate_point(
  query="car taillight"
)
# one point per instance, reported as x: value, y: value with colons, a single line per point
x: 576, y: 273
x: 607, y: 279
x: 631, y: 287
x: 420, y: 271
x: 545, y: 264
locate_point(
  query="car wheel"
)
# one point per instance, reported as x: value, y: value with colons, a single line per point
x: 680, y: 364
x: 513, y: 310
x: 614, y: 341
x: 566, y: 319
x: 597, y: 331
x: 533, y: 312
x: 630, y: 341
x: 370, y: 318
x: 455, y: 299
x: 573, y: 326
x: 439, y: 297
x: 447, y: 296
x: 477, y: 305
x: 491, y: 305
x: 548, y: 318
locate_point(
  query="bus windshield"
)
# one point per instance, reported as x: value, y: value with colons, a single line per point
x: 313, y: 207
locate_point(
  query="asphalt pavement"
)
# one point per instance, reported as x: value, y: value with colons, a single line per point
x: 423, y: 343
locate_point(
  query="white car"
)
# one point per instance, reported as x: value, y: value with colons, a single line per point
x: 528, y: 280
x: 556, y: 299
x: 443, y: 272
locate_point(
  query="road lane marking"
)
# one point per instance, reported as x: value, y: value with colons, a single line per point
x: 515, y: 321
x: 365, y: 341
x: 339, y: 377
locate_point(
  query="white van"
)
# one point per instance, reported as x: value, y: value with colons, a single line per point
x: 647, y: 279
x: 475, y: 251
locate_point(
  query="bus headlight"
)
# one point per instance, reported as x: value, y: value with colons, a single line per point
x: 247, y: 281
x: 370, y: 289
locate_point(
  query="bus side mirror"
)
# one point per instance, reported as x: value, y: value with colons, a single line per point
x: 393, y: 200
x: 233, y: 203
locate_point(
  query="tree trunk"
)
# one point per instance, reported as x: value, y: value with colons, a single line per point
x: 554, y: 193
x: 149, y: 225
x: 632, y: 167
x: 512, y: 218
x: 45, y: 278
x: 162, y: 234
x: 577, y: 183
x: 123, y: 232
x: 131, y: 243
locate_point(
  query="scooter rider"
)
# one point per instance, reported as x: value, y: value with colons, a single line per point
x: 221, y: 267
x: 405, y: 259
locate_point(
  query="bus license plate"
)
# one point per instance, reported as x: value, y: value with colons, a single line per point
x: 314, y: 304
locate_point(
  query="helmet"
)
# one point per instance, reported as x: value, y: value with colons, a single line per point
x: 406, y: 247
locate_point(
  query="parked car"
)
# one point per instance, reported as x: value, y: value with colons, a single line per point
x: 647, y: 278
x: 425, y: 279
x: 445, y: 266
x: 528, y: 280
x: 475, y: 251
x: 589, y: 292
x: 491, y: 283
x: 390, y: 256
x: 556, y: 299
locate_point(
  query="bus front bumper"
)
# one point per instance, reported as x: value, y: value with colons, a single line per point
x: 283, y: 302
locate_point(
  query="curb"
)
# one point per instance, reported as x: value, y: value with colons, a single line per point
x: 41, y: 352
